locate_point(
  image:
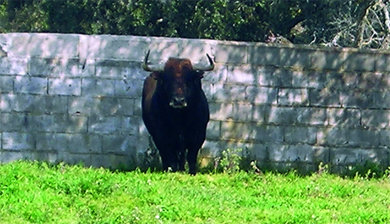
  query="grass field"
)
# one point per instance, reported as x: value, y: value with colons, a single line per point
x: 33, y: 192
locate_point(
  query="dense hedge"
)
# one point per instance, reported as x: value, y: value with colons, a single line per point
x: 301, y: 21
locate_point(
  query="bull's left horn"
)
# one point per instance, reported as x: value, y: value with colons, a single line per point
x: 151, y: 68
x: 206, y: 68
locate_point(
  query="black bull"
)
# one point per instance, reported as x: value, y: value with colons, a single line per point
x: 175, y: 110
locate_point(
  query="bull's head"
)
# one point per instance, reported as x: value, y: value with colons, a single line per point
x: 178, y: 78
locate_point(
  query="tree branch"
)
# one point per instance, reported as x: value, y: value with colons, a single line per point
x: 361, y: 23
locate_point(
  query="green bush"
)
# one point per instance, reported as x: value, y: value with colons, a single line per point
x: 217, y: 19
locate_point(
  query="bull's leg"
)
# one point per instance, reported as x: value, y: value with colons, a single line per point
x: 168, y: 154
x: 192, y: 160
x: 170, y: 161
x: 182, y: 160
x: 181, y: 153
x: 166, y: 163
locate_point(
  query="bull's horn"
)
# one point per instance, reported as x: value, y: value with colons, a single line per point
x: 151, y: 68
x: 205, y: 68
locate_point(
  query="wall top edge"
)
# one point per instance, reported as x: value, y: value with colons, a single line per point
x: 210, y: 41
x: 133, y: 48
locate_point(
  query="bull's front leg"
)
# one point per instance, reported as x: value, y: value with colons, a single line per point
x: 168, y: 152
x: 192, y: 159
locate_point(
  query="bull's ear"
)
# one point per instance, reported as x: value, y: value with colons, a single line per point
x: 199, y: 74
x: 155, y: 75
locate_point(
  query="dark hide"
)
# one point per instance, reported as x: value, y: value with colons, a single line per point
x: 175, y: 112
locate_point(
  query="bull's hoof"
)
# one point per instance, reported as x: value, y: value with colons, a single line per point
x: 192, y: 172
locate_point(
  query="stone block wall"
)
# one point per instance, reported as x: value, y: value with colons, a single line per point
x: 76, y: 98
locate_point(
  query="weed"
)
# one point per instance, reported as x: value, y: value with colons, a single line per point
x: 230, y: 161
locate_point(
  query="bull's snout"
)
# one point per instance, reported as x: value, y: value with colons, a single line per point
x: 178, y: 102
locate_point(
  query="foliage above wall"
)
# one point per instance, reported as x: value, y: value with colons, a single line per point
x: 353, y: 23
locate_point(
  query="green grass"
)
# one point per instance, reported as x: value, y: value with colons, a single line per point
x: 33, y: 192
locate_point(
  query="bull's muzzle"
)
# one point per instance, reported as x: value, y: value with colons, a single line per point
x: 178, y: 102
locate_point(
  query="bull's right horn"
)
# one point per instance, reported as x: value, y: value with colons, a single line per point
x: 151, y: 68
x: 209, y: 67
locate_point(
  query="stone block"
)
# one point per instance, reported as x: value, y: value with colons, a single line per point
x: 84, y: 143
x: 231, y: 53
x: 324, y: 59
x: 242, y: 74
x: 293, y: 97
x: 281, y: 115
x: 324, y: 97
x: 237, y: 112
x: 31, y: 85
x: 137, y: 110
x: 384, y: 138
x: 114, y: 47
x: 259, y: 76
x: 119, y: 144
x: 57, y: 123
x: 74, y: 158
x: 295, y: 115
x: 97, y: 87
x: 297, y: 153
x: 265, y: 55
x: 218, y: 75
x: 211, y: 149
x: 18, y: 141
x: 311, y: 116
x: 65, y: 86
x: 213, y: 130
x: 47, y: 156
x: 116, y: 106
x: 45, y: 45
x: 63, y: 67
x: 110, y: 125
x: 131, y: 88
x: 258, y: 152
x: 251, y: 132
x: 13, y: 122
x: 227, y: 93
x: 249, y: 150
x: 119, y: 69
x: 362, y: 61
x: 87, y: 66
x: 300, y: 135
x: 261, y: 95
x: 33, y: 103
x: 84, y: 105
x: 10, y: 156
x: 280, y: 56
x: 51, y: 142
x: 376, y: 118
x: 365, y: 99
x: 308, y: 79
x: 343, y: 117
x: 348, y: 137
x: 248, y: 112
x: 370, y: 80
x: 357, y: 156
x: 13, y: 66
x: 6, y: 84
x: 221, y: 111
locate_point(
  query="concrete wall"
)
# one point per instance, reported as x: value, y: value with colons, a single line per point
x: 76, y: 98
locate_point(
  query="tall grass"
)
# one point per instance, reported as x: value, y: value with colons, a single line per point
x: 34, y: 192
